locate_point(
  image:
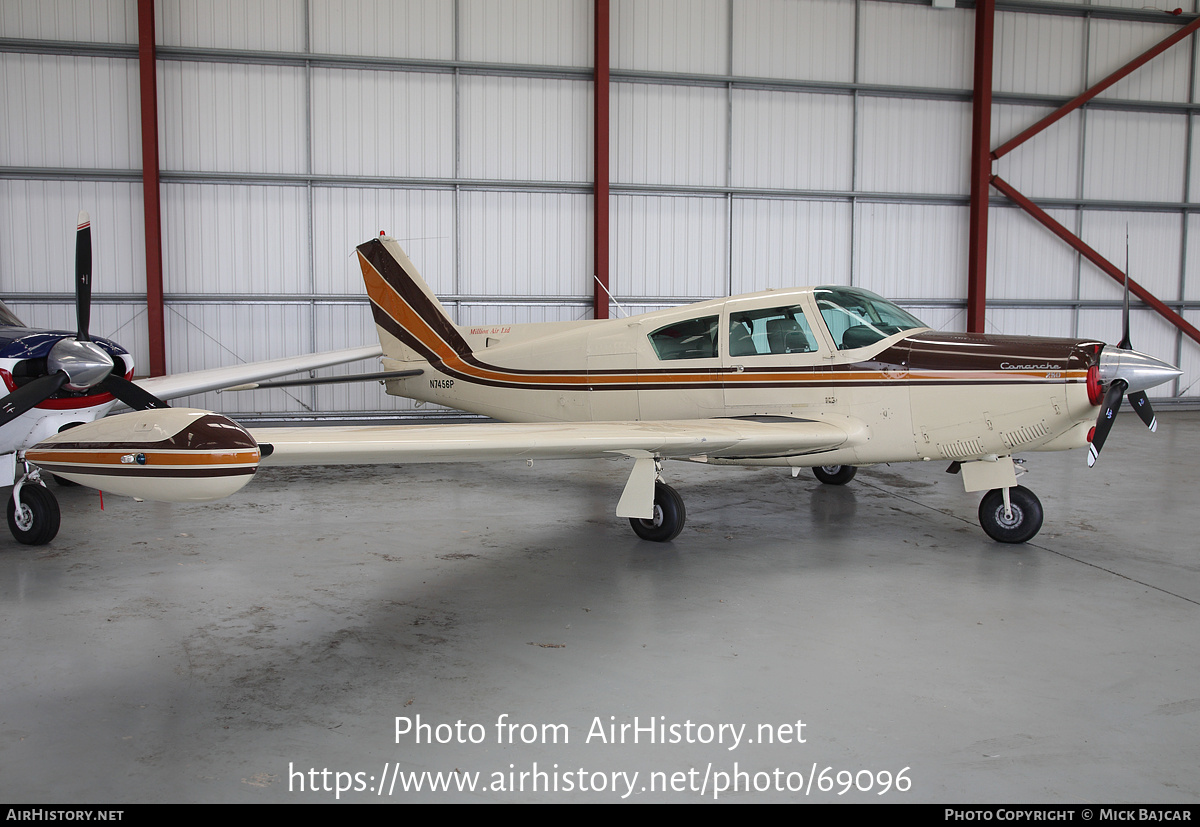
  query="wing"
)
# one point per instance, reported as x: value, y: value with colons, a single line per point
x: 666, y: 439
x: 180, y: 454
x: 645, y: 442
x: 201, y: 381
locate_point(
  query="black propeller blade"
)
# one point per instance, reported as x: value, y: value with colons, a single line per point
x: 83, y: 277
x: 1108, y: 415
x: 132, y: 395
x: 1138, y: 399
x: 1118, y: 387
x: 1141, y: 406
x: 30, y: 394
x: 79, y: 363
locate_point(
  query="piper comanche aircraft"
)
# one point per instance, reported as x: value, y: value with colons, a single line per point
x: 55, y: 380
x: 831, y: 378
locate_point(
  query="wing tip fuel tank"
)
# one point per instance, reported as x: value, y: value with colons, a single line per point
x: 167, y: 455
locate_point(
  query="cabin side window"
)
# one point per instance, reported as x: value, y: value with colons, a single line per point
x: 693, y: 339
x: 770, y: 330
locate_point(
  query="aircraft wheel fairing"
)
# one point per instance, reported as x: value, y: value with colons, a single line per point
x: 835, y: 474
x: 669, y: 516
x: 36, y: 522
x: 1026, y: 519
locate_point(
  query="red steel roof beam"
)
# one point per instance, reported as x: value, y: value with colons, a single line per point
x: 1095, y: 258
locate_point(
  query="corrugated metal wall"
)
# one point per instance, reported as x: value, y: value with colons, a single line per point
x: 755, y: 143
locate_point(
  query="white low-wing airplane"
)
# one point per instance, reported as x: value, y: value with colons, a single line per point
x: 830, y: 378
x: 55, y: 380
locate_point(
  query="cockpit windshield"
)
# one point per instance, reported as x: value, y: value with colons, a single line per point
x: 8, y: 318
x: 857, y: 318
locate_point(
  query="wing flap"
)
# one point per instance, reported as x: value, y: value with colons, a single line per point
x: 388, y: 444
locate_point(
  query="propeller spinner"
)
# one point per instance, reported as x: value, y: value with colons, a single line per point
x: 1126, y: 371
x: 77, y: 364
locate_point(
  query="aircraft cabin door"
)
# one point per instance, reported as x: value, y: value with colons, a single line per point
x: 774, y: 358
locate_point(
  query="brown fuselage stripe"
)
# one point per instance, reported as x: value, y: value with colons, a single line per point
x: 143, y: 471
x: 401, y: 308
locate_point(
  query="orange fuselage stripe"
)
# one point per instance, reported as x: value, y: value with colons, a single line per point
x: 155, y: 458
x: 389, y: 300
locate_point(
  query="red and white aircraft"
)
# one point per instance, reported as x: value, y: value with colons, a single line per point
x: 830, y: 378
x: 55, y: 380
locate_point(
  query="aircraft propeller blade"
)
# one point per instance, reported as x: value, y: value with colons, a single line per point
x: 83, y: 276
x: 1108, y: 415
x: 1126, y: 343
x: 1143, y: 371
x: 1141, y: 406
x: 30, y: 394
x: 132, y: 395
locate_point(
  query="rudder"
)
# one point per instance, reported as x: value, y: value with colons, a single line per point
x: 412, y: 324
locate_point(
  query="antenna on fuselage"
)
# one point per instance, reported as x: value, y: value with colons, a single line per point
x: 611, y: 298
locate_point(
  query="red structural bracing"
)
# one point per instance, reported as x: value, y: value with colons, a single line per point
x: 1070, y: 106
x: 1095, y: 258
x: 147, y: 72
x: 600, y: 291
x: 981, y: 172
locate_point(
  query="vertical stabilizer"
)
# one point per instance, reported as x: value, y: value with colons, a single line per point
x: 412, y: 323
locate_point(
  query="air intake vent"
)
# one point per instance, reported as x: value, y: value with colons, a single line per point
x: 1025, y: 434
x: 961, y: 449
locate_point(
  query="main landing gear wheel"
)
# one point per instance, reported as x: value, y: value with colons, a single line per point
x: 1024, y: 522
x: 35, y: 523
x: 835, y: 474
x: 669, y: 516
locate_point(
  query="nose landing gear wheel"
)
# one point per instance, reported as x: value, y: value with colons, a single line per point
x: 668, y: 519
x: 1024, y: 522
x: 36, y: 522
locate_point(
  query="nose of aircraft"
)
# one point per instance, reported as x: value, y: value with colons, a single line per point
x: 1139, y: 371
x: 1126, y: 371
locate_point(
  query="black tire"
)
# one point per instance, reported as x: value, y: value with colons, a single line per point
x: 40, y: 516
x: 669, y: 516
x: 835, y: 474
x: 1026, y: 518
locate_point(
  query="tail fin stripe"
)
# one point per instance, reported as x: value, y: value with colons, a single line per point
x: 404, y: 322
x: 406, y: 287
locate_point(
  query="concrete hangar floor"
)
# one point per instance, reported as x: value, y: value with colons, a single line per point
x: 529, y: 644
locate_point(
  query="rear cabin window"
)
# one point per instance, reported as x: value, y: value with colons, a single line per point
x: 770, y: 330
x: 693, y: 339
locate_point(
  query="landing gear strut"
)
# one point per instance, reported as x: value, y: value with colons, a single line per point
x: 33, y: 513
x: 668, y: 519
x: 1014, y: 521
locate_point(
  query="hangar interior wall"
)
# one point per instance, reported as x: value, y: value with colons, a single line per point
x: 754, y: 144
